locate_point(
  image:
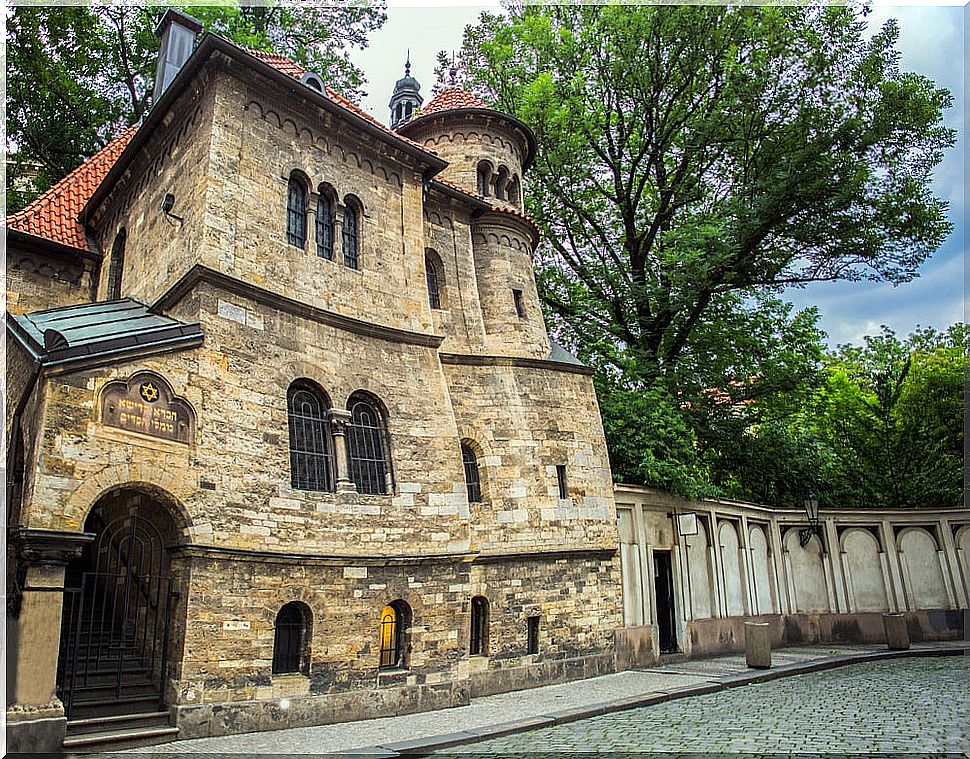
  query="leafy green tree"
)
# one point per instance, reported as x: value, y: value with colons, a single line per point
x: 693, y: 160
x: 77, y: 74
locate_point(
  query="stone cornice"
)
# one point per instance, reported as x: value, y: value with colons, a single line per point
x: 200, y: 273
x: 461, y: 359
x: 49, y: 546
x: 546, y: 555
x: 193, y: 550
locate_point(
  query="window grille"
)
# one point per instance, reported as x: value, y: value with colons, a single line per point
x: 431, y: 275
x: 533, y: 635
x: 325, y: 227
x: 472, y: 482
x: 350, y: 235
x: 117, y: 265
x: 296, y: 213
x: 561, y: 480
x: 478, y: 645
x: 368, y: 449
x: 290, y: 640
x: 311, y: 450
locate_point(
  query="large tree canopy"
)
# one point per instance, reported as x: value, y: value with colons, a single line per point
x: 77, y: 74
x: 693, y: 161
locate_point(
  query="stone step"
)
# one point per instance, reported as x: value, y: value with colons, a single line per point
x: 141, y: 720
x: 106, y: 707
x: 119, y: 740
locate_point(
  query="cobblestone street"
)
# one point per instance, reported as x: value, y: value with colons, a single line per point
x: 901, y: 706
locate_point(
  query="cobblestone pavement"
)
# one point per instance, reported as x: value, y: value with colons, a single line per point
x: 538, y: 702
x: 891, y: 706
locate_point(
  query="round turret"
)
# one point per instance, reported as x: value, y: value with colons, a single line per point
x: 487, y: 150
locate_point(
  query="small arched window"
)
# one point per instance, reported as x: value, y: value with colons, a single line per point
x: 473, y: 483
x: 409, y: 109
x: 116, y: 267
x: 478, y: 643
x: 351, y: 234
x: 514, y: 191
x: 311, y: 449
x: 395, y: 623
x: 296, y: 212
x: 484, y: 177
x: 291, y: 641
x: 434, y: 277
x: 368, y: 448
x: 325, y: 216
x: 501, y: 183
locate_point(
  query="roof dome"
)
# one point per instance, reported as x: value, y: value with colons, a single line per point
x: 452, y: 99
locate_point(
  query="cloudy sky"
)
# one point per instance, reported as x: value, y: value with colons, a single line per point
x: 931, y: 43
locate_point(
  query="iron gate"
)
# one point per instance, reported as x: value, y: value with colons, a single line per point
x: 115, y: 634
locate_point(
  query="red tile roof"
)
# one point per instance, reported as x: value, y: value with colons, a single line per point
x: 450, y: 100
x: 53, y: 215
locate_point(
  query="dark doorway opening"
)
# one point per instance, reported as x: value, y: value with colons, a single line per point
x: 663, y: 584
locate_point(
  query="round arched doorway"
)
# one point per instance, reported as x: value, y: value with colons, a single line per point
x: 118, y: 606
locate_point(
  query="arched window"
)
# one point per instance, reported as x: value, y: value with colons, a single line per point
x: 395, y: 623
x: 409, y: 110
x: 472, y: 482
x: 351, y: 234
x: 514, y: 191
x: 311, y: 450
x: 368, y: 449
x: 501, y: 183
x: 478, y: 643
x: 434, y: 277
x: 291, y: 641
x: 296, y: 212
x: 484, y: 177
x: 325, y: 216
x: 116, y: 267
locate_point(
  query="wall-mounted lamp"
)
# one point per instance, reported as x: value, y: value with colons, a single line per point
x: 167, y: 204
x: 811, y: 510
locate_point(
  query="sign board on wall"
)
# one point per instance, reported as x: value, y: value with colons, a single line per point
x: 687, y: 523
x: 146, y: 404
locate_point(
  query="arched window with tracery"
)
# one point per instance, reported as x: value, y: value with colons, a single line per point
x: 473, y: 483
x: 368, y: 446
x: 434, y: 276
x: 296, y: 208
x: 311, y: 447
x: 478, y: 642
x: 291, y: 639
x: 116, y: 266
x: 351, y: 234
x: 324, y: 225
x: 395, y: 623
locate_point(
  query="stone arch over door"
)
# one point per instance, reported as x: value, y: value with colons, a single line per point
x: 807, y: 572
x: 922, y: 575
x: 731, y: 569
x: 761, y: 569
x: 862, y: 556
x: 699, y: 573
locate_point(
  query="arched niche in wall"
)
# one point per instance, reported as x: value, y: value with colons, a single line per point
x: 145, y: 403
x: 761, y: 569
x: 731, y: 568
x: 699, y: 573
x: 861, y: 551
x: 922, y: 573
x: 808, y: 574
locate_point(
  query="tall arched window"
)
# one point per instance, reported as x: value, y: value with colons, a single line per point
x: 514, y: 191
x: 368, y: 450
x: 296, y: 212
x: 291, y: 641
x: 116, y: 266
x: 311, y: 450
x: 351, y: 235
x: 478, y: 643
x: 472, y: 482
x: 325, y: 216
x: 395, y: 622
x: 484, y: 177
x: 434, y: 277
x: 501, y: 183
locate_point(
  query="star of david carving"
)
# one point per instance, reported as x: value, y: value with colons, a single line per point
x: 149, y: 392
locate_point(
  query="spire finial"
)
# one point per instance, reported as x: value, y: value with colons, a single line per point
x: 453, y: 71
x: 407, y: 64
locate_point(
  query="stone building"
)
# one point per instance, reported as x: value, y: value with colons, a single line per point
x: 285, y: 422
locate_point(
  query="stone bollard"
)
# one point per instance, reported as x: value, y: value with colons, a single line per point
x: 757, y: 644
x: 897, y: 634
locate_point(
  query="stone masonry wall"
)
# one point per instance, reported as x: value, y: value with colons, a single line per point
x: 525, y: 421
x: 37, y: 281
